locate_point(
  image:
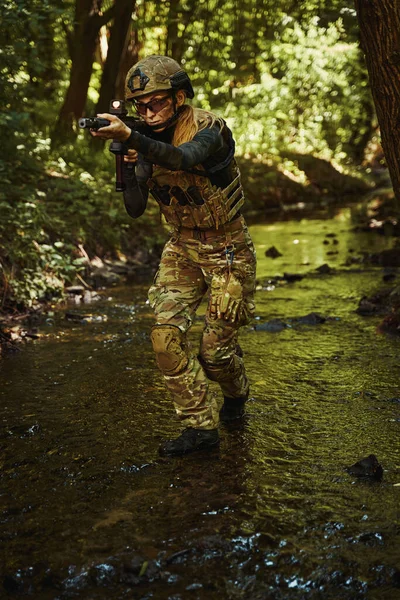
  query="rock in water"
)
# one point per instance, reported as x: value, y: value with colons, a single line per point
x: 368, y: 467
x: 273, y: 252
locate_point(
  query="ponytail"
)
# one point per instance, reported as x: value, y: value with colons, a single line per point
x: 191, y: 121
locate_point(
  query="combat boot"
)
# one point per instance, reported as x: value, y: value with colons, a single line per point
x: 232, y: 409
x: 189, y: 441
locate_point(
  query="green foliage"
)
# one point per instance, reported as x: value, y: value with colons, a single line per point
x: 311, y: 97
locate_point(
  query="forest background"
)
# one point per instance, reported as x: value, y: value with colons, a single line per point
x: 289, y: 78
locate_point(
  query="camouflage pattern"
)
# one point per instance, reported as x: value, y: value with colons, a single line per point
x: 154, y: 74
x: 190, y: 200
x: 190, y: 261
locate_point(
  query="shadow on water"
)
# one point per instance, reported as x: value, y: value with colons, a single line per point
x: 89, y: 510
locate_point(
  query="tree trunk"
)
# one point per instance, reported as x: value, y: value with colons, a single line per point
x: 129, y: 57
x: 379, y: 22
x: 118, y: 43
x: 88, y: 22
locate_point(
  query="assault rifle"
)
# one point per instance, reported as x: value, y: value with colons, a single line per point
x: 119, y: 149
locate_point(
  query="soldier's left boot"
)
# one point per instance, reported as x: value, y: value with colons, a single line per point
x: 232, y: 409
x: 189, y: 441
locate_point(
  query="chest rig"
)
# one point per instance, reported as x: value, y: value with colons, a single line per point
x: 188, y: 199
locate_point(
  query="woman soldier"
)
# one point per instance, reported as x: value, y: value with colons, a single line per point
x: 185, y: 157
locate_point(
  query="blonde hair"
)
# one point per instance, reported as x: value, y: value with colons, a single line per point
x: 191, y: 121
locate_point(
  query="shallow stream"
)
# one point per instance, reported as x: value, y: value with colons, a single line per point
x: 88, y: 509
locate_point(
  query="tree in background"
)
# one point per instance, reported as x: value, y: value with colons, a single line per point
x: 82, y: 41
x: 120, y: 38
x: 380, y: 40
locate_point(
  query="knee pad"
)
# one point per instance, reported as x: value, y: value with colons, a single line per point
x: 169, y: 344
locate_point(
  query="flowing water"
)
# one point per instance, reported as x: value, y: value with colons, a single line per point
x: 88, y: 509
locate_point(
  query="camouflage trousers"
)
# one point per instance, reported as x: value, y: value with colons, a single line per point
x: 189, y: 262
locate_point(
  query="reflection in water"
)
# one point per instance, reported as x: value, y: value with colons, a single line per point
x: 90, y: 511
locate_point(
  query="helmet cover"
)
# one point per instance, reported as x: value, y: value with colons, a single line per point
x: 155, y: 74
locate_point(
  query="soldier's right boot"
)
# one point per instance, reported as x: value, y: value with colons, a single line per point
x: 189, y: 441
x: 232, y: 409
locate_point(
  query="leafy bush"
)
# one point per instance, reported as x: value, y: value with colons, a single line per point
x: 312, y: 96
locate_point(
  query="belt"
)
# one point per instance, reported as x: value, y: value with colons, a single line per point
x: 206, y: 234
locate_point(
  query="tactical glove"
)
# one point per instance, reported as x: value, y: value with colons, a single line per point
x: 226, y: 299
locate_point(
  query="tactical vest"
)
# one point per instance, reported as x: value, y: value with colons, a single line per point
x: 188, y: 199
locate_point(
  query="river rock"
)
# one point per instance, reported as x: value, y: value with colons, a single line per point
x: 311, y: 319
x: 273, y: 326
x: 273, y: 252
x: 386, y: 258
x: 103, y: 277
x: 324, y: 269
x: 368, y: 467
x: 291, y: 277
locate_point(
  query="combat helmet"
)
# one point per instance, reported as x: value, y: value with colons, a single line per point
x: 154, y: 74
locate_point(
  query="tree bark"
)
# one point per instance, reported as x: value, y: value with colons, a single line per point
x: 130, y: 57
x: 88, y: 21
x: 117, y: 46
x: 379, y: 22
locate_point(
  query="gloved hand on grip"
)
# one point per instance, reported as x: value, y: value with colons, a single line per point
x: 226, y: 299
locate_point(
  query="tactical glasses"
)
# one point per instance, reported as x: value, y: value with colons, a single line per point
x: 153, y: 106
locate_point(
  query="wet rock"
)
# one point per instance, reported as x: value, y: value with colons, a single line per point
x: 268, y: 284
x: 213, y: 543
x: 23, y: 431
x: 390, y: 324
x: 378, y: 303
x: 311, y: 319
x: 84, y: 318
x: 134, y: 566
x: 273, y: 326
x: 152, y: 571
x: 324, y: 269
x: 290, y: 277
x: 79, y: 294
x: 273, y: 252
x: 33, y: 335
x: 385, y: 575
x: 353, y: 260
x: 371, y: 538
x: 102, y: 574
x: 177, y: 557
x: 386, y: 258
x: 94, y: 319
x: 276, y: 325
x: 77, y: 582
x: 139, y: 570
x: 389, y: 275
x: 368, y: 468
x: 11, y: 336
x: 103, y: 277
x: 75, y: 290
x: 194, y: 586
x: 367, y: 307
